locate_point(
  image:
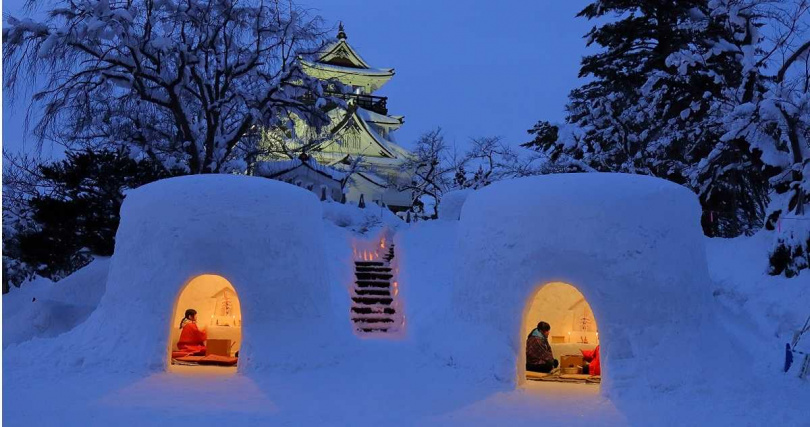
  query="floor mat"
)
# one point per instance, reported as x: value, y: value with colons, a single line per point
x: 555, y: 376
x: 211, y: 359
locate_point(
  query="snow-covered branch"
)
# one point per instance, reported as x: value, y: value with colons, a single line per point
x: 182, y: 81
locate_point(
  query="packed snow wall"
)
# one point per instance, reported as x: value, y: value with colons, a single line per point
x: 265, y: 237
x: 631, y: 244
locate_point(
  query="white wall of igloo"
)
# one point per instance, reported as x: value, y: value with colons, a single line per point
x: 265, y: 237
x: 631, y: 244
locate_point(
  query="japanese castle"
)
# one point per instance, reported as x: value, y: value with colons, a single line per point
x: 362, y: 134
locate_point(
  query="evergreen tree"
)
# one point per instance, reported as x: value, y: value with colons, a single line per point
x: 649, y: 111
x: 682, y: 91
x: 727, y: 173
x: 773, y: 117
x: 77, y: 215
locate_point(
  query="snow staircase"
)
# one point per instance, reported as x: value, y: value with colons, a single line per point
x: 375, y: 307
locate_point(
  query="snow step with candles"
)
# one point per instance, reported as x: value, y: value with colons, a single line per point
x: 375, y: 306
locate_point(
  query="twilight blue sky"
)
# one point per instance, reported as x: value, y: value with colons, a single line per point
x: 475, y: 68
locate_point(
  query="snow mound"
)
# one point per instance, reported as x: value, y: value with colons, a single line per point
x: 43, y: 308
x: 631, y: 244
x: 265, y: 237
x: 452, y: 203
x: 360, y: 221
x: 425, y: 254
x: 762, y: 312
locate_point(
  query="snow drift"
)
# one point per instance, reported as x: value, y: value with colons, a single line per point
x: 42, y: 308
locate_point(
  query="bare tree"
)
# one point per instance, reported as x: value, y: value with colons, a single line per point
x: 490, y: 159
x: 181, y: 81
x: 355, y: 166
x: 436, y: 169
x: 428, y: 170
x: 292, y: 139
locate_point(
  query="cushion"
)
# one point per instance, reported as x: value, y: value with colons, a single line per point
x: 176, y: 354
x: 195, y: 359
x: 214, y: 359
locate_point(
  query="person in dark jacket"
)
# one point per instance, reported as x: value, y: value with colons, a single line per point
x: 539, y: 357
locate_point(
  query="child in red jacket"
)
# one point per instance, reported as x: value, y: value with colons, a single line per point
x: 192, y: 339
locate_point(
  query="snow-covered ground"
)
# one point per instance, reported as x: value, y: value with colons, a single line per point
x: 409, y: 381
x: 393, y: 392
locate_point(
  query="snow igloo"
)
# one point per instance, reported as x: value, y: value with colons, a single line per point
x: 631, y: 246
x: 246, y: 253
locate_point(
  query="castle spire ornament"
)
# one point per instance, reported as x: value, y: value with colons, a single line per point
x: 341, y: 33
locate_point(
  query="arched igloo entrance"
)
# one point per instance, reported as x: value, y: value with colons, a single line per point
x: 631, y: 244
x: 574, y: 334
x: 219, y: 315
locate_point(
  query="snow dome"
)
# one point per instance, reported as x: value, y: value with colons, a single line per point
x: 631, y: 245
x: 244, y: 252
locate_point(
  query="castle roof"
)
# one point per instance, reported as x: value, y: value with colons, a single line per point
x: 273, y: 169
x: 338, y: 60
x: 393, y: 122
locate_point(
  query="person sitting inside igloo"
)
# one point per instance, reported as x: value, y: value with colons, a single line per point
x: 192, y: 339
x: 593, y: 364
x: 539, y: 357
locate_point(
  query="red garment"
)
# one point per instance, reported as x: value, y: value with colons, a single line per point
x: 192, y: 339
x: 592, y: 356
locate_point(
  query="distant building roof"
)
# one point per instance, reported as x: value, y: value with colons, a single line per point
x: 273, y: 169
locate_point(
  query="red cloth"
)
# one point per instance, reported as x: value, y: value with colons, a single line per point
x: 192, y: 339
x: 592, y: 356
x: 176, y: 354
